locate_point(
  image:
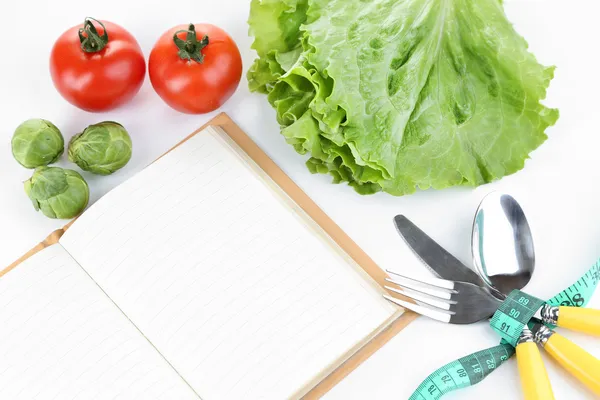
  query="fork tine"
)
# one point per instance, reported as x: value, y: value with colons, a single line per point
x: 439, y: 283
x: 426, y: 311
x: 421, y: 297
x: 429, y: 290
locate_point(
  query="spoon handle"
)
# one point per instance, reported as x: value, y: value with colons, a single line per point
x: 581, y: 364
x: 534, y: 378
x: 586, y: 320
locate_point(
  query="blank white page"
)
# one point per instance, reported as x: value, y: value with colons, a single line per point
x: 62, y: 338
x: 224, y: 278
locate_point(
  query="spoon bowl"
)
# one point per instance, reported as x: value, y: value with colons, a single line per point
x: 502, y: 243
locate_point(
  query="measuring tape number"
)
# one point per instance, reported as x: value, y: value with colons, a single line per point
x: 463, y: 372
x: 514, y: 314
x: 579, y: 293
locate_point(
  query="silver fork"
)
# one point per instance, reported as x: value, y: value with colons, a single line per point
x: 447, y: 301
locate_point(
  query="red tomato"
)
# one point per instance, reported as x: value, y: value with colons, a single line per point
x: 195, y: 68
x: 96, y: 68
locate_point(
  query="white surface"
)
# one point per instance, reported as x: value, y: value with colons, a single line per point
x: 558, y: 188
x: 280, y: 306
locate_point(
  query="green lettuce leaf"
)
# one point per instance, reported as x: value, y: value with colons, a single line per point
x: 276, y: 32
x: 396, y: 95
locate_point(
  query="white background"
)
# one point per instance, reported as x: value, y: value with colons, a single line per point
x: 558, y: 188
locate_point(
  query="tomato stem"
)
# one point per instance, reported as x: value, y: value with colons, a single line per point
x: 92, y: 42
x: 190, y: 48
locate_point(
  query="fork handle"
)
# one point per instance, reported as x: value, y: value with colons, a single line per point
x: 586, y: 320
x: 534, y: 378
x: 581, y: 364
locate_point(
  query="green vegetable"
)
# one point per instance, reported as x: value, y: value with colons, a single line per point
x: 58, y: 193
x: 397, y: 95
x: 37, y: 142
x: 101, y: 148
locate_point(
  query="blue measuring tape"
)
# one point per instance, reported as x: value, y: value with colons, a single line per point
x: 514, y: 314
x: 462, y: 373
x: 510, y: 319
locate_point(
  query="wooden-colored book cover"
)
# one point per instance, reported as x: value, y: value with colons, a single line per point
x: 318, y: 216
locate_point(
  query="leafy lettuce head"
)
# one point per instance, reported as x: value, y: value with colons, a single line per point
x: 101, y: 148
x: 57, y: 193
x: 398, y: 95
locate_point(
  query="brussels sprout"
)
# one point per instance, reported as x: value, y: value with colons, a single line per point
x: 58, y: 193
x: 36, y: 143
x: 101, y: 148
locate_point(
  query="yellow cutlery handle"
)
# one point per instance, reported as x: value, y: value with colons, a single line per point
x: 586, y: 320
x: 534, y: 378
x: 581, y: 364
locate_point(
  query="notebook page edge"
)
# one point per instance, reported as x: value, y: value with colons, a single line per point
x: 34, y: 254
x: 49, y: 241
x: 248, y: 162
x: 339, y: 363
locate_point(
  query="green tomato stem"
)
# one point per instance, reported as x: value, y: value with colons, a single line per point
x: 92, y: 42
x: 190, y: 48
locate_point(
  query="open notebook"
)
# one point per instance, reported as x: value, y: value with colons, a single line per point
x: 197, y: 278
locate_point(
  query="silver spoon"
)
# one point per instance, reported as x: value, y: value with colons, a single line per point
x: 502, y: 244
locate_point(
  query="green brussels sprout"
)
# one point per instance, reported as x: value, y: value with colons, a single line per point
x: 36, y: 143
x: 101, y: 148
x: 58, y: 193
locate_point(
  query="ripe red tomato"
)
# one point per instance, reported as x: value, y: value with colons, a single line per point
x: 97, y: 68
x: 195, y: 68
